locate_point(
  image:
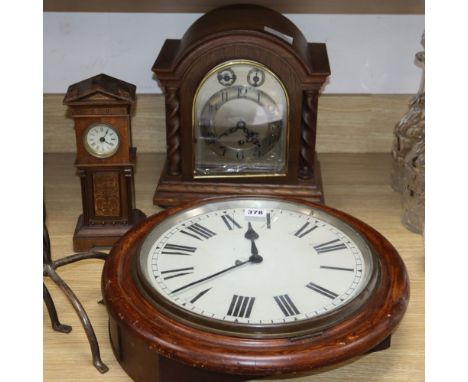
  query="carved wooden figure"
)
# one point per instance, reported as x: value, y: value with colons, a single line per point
x: 241, y: 90
x: 101, y: 108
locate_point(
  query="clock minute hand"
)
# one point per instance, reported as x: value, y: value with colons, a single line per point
x: 228, y: 131
x: 241, y: 125
x: 254, y: 258
x: 238, y: 264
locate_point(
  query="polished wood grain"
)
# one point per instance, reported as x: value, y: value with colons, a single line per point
x: 297, y: 6
x: 355, y: 183
x: 370, y: 117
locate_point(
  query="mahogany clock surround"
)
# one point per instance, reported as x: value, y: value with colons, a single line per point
x: 267, y: 38
x: 153, y: 346
x: 105, y: 159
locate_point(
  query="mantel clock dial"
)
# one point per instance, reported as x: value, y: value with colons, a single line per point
x: 240, y: 122
x: 221, y: 289
x: 241, y: 92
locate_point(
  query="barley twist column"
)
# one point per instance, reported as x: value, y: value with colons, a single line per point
x: 308, y: 134
x: 173, y: 131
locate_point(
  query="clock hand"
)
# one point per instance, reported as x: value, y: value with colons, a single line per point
x: 250, y: 135
x: 241, y: 125
x: 229, y: 131
x: 252, y: 236
x: 237, y: 265
x: 103, y: 138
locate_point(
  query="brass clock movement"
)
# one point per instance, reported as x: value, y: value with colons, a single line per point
x: 245, y: 287
x: 100, y: 107
x: 241, y: 90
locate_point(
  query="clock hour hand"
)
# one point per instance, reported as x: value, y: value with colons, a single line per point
x: 229, y: 131
x: 241, y: 125
x: 252, y: 236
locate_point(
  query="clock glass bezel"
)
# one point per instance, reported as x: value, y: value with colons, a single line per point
x: 283, y: 139
x: 304, y: 327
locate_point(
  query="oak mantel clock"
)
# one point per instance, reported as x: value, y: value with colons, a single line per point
x: 100, y: 107
x: 245, y: 287
x: 241, y: 90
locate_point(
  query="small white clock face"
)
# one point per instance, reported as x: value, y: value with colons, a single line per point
x: 101, y: 140
x: 256, y: 262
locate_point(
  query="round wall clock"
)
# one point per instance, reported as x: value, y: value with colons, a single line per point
x: 244, y: 287
x: 241, y: 92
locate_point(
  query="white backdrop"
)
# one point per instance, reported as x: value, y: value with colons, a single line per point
x: 368, y: 53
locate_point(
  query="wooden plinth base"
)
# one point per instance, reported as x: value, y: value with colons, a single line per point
x: 172, y: 192
x: 87, y: 237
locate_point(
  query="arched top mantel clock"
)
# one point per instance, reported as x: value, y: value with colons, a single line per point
x: 241, y: 90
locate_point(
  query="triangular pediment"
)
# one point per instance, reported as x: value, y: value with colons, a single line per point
x: 99, y: 96
x: 100, y: 88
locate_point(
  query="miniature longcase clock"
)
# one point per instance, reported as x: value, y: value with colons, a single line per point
x: 100, y: 107
x: 241, y: 90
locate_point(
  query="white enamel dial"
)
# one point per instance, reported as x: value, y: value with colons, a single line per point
x: 101, y: 140
x: 257, y: 262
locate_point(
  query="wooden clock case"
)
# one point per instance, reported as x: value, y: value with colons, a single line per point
x: 107, y: 184
x: 151, y: 345
x: 241, y: 32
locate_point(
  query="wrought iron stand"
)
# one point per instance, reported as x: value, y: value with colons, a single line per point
x: 49, y: 268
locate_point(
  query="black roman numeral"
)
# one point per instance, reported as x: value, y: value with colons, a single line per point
x: 198, y: 232
x: 173, y: 249
x: 329, y: 246
x: 241, y: 91
x: 176, y: 272
x: 286, y: 305
x: 322, y: 290
x: 202, y: 293
x: 230, y: 222
x: 241, y: 306
x: 211, y: 107
x: 337, y: 268
x: 224, y: 96
x: 268, y: 220
x: 302, y: 231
